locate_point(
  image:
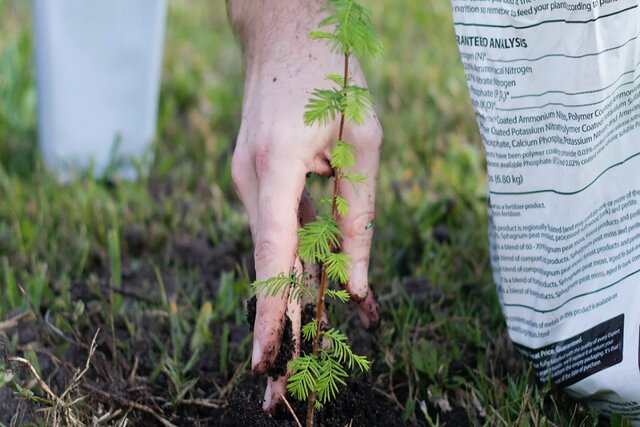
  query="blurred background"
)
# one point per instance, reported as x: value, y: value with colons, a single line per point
x: 162, y: 264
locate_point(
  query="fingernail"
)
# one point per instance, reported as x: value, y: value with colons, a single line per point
x: 257, y: 354
x: 267, y: 397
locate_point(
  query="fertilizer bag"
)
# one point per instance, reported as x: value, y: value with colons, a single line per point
x: 556, y: 90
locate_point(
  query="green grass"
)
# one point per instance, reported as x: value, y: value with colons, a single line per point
x: 448, y: 349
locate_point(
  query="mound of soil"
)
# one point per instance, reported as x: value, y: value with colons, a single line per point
x: 356, y: 405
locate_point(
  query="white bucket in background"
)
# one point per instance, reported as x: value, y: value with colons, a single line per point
x: 98, y: 68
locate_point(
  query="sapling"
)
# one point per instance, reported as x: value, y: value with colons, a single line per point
x: 317, y: 377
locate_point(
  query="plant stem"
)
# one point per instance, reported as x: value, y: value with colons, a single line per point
x: 323, y: 281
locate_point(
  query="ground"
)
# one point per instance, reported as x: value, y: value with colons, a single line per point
x: 158, y: 270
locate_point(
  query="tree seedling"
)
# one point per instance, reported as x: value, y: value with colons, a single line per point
x: 317, y: 377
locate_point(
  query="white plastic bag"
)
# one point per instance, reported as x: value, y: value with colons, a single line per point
x: 556, y: 89
x: 98, y: 72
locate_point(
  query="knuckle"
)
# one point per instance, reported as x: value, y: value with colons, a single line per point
x: 262, y: 157
x: 274, y: 250
x: 268, y: 154
x: 264, y: 251
x: 238, y: 171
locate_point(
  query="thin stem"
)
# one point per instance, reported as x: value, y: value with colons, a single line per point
x: 323, y: 281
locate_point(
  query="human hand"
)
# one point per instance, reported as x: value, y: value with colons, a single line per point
x: 274, y: 153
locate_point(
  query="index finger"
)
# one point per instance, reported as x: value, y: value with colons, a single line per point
x: 279, y: 192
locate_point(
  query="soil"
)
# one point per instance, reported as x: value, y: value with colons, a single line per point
x: 127, y: 375
x: 356, y: 405
x: 287, y: 347
x: 124, y: 374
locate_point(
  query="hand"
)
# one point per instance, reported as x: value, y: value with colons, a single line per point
x: 274, y: 153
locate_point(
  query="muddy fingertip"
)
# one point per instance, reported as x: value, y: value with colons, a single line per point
x: 368, y: 310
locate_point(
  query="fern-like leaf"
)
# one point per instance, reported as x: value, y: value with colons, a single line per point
x: 323, y: 106
x: 338, y: 79
x: 275, y: 285
x: 330, y: 377
x: 341, y: 295
x: 292, y: 283
x: 356, y: 103
x: 354, y: 178
x: 361, y: 362
x: 317, y: 238
x: 342, y: 205
x: 309, y: 330
x: 303, y: 380
x: 337, y: 266
x: 341, y: 351
x: 296, y: 292
x: 353, y: 32
x: 343, y: 155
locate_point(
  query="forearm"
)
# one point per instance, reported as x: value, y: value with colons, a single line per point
x: 266, y: 27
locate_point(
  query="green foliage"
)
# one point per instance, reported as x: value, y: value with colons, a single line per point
x: 338, y: 79
x: 202, y: 333
x: 231, y: 293
x: 342, y: 206
x: 321, y: 375
x: 309, y: 330
x: 317, y: 238
x: 306, y: 369
x: 180, y: 383
x: 317, y: 377
x: 331, y: 376
x: 337, y: 266
x: 323, y: 106
x: 343, y: 155
x: 292, y: 283
x: 355, y: 178
x: 356, y: 103
x: 342, y: 353
x: 352, y: 30
x: 341, y: 295
x: 619, y: 421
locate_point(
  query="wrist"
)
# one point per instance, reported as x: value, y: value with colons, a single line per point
x: 267, y: 27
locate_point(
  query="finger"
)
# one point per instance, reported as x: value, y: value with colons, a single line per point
x: 357, y: 226
x: 277, y: 386
x: 279, y: 191
x: 275, y: 389
x: 244, y: 178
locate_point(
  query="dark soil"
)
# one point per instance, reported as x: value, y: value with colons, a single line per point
x: 287, y: 347
x: 287, y: 343
x: 356, y: 405
x: 127, y: 374
x: 250, y: 308
x: 14, y: 410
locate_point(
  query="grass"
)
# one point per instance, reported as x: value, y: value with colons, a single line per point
x: 442, y: 350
